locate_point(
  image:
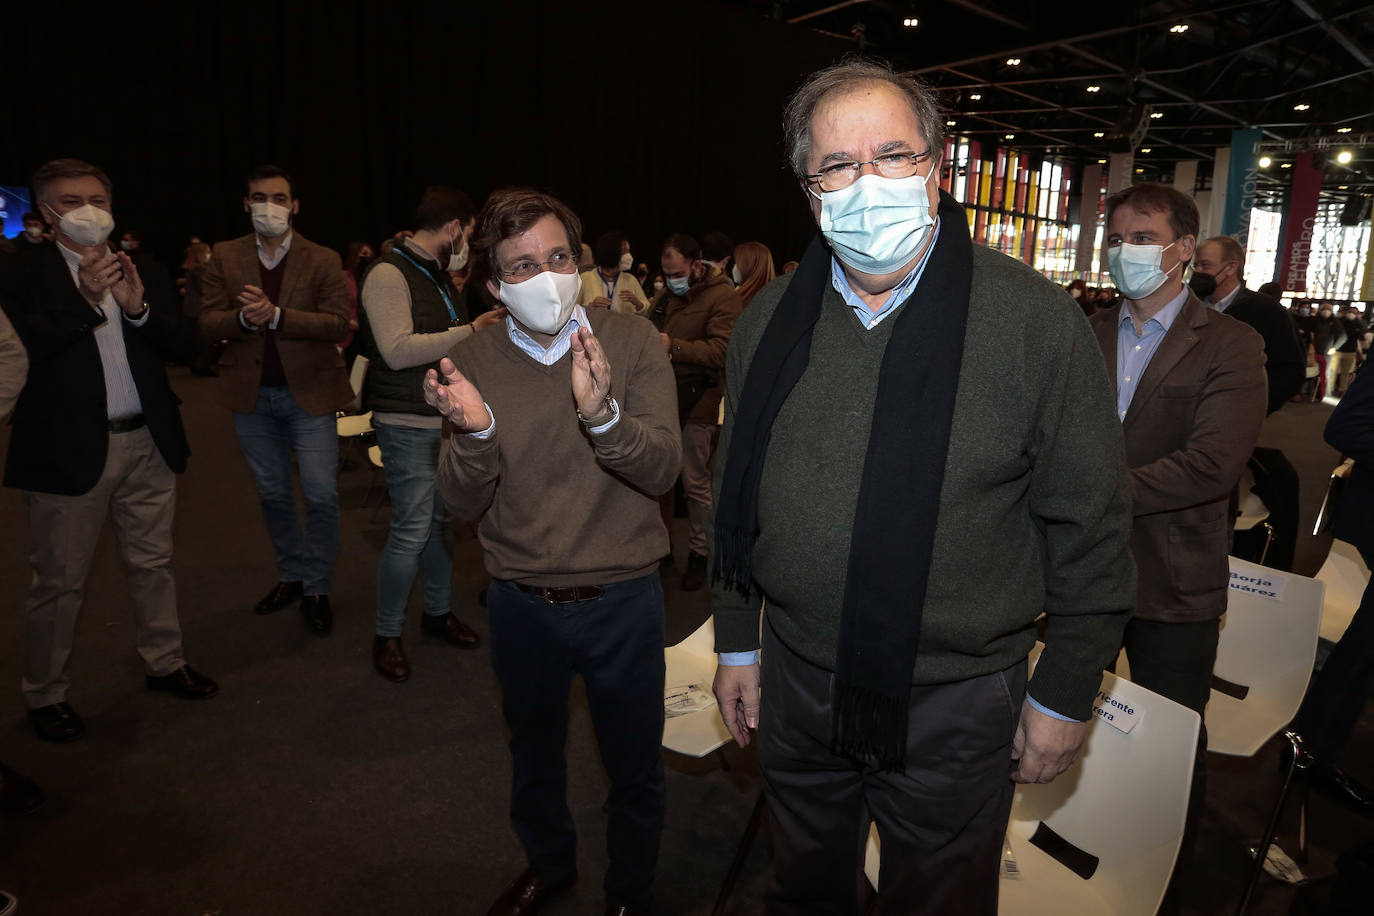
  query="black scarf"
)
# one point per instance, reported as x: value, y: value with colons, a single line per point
x: 899, y: 496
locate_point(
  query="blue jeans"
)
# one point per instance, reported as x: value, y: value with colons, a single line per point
x: 267, y: 436
x: 421, y: 538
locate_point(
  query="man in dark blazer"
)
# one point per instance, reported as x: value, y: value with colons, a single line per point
x: 281, y: 304
x: 1338, y: 695
x: 97, y: 432
x: 1191, y: 396
x: 1276, y: 480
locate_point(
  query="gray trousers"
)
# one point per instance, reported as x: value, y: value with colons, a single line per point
x: 941, y: 822
x: 138, y: 492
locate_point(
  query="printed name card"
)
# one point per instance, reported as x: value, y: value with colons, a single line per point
x: 1117, y: 713
x: 1268, y: 584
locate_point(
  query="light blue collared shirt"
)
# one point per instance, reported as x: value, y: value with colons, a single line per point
x: 1134, y: 351
x: 121, y: 394
x: 562, y: 343
x: 1224, y: 303
x: 900, y: 293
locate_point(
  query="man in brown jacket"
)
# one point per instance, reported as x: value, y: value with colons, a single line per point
x: 281, y: 304
x: 1191, y: 394
x: 695, y: 315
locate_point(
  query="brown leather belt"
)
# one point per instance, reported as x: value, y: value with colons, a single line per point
x: 126, y: 424
x: 566, y: 594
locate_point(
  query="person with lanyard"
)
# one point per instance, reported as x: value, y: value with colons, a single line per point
x: 610, y: 285
x: 409, y: 320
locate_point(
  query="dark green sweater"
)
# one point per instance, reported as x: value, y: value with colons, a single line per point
x: 1034, y: 509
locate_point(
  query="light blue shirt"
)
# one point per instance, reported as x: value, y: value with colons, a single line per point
x: 562, y: 343
x: 1224, y: 303
x: 1134, y: 351
x: 121, y: 394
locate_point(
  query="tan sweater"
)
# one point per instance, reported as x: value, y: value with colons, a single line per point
x: 558, y: 505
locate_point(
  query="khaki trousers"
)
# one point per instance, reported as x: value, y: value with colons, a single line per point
x: 698, y: 446
x: 138, y: 492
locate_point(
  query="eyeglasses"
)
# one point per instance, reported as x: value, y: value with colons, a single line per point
x: 840, y: 175
x: 561, y: 261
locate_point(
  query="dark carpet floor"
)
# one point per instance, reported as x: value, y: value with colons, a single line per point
x: 313, y: 786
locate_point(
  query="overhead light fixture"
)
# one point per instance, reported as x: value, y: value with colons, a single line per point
x: 1286, y: 165
x: 1140, y: 171
x: 1344, y: 157
x: 1145, y: 149
x: 1013, y: 61
x: 1344, y: 187
x: 1265, y: 162
x: 949, y: 123
x: 1098, y: 135
x: 911, y: 23
x: 1179, y: 29
x: 1156, y: 115
x: 1102, y: 162
x: 1011, y: 136
x: 1343, y: 130
x: 976, y: 97
x: 1094, y: 88
x: 1301, y: 106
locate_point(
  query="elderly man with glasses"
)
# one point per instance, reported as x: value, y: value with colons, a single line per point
x: 566, y: 432
x: 920, y: 455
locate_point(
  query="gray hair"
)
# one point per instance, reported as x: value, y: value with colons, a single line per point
x: 796, y: 119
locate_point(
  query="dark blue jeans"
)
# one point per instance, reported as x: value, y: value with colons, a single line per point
x: 268, y: 436
x: 1338, y: 695
x: 616, y: 643
x: 420, y: 539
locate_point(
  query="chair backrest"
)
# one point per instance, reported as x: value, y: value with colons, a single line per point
x: 1264, y: 658
x: 1345, y: 576
x: 1123, y: 802
x: 358, y: 374
x: 693, y: 661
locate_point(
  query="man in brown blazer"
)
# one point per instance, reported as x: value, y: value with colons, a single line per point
x: 281, y: 304
x: 1191, y: 394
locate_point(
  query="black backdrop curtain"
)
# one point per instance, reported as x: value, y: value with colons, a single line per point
x: 644, y: 116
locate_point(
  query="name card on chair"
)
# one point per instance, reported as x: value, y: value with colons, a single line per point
x: 1117, y: 713
x: 1267, y: 585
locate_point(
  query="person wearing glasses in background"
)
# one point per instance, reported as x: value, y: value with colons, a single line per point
x: 902, y: 401
x: 566, y: 492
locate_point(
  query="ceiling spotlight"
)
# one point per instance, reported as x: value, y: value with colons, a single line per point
x: 1286, y: 165
x: 1102, y: 162
x: 1145, y: 149
x: 1156, y: 115
x: 911, y: 23
x: 1343, y: 130
x: 1013, y: 61
x: 1301, y: 106
x: 949, y: 123
x: 1140, y: 171
x: 976, y: 97
x: 1178, y: 29
x: 1011, y: 136
x: 1094, y: 88
x: 1344, y: 187
x: 1344, y: 157
x: 1098, y: 135
x: 1265, y: 162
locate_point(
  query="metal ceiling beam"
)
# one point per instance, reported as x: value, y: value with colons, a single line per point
x: 1336, y: 34
x: 828, y: 9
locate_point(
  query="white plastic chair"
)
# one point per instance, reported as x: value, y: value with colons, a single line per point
x: 1345, y: 577
x: 693, y: 661
x: 350, y: 426
x: 1123, y: 803
x: 356, y: 376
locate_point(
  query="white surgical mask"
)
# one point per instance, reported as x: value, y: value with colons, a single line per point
x: 87, y: 225
x: 877, y: 224
x: 734, y: 275
x: 458, y: 259
x: 33, y: 232
x: 543, y: 302
x: 126, y: 245
x: 627, y: 261
x: 679, y: 285
x: 1135, y: 268
x: 270, y: 220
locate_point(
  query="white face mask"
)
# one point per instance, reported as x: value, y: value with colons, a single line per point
x: 544, y: 302
x: 627, y: 261
x: 734, y: 275
x: 1135, y: 268
x: 270, y: 220
x: 877, y: 224
x: 87, y: 225
x: 33, y: 232
x: 457, y: 260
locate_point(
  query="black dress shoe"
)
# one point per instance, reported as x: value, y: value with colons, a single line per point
x: 318, y: 617
x: 451, y: 630
x: 186, y: 682
x: 18, y: 793
x: 1338, y: 785
x: 58, y: 722
x: 527, y: 895
x: 390, y: 659
x: 282, y: 595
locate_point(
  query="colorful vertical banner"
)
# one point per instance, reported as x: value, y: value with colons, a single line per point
x: 1296, y: 249
x: 1241, y: 184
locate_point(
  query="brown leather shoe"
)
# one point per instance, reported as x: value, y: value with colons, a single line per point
x: 451, y: 630
x: 390, y: 659
x: 527, y: 895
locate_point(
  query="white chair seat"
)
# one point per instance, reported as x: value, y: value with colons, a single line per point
x: 693, y: 661
x: 354, y: 425
x: 1345, y: 577
x: 374, y: 454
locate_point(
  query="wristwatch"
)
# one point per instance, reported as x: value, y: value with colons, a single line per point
x: 608, y: 412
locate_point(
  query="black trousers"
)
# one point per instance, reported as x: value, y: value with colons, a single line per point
x: 1276, y: 482
x: 1175, y: 661
x: 941, y: 822
x: 616, y: 643
x: 1336, y: 698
